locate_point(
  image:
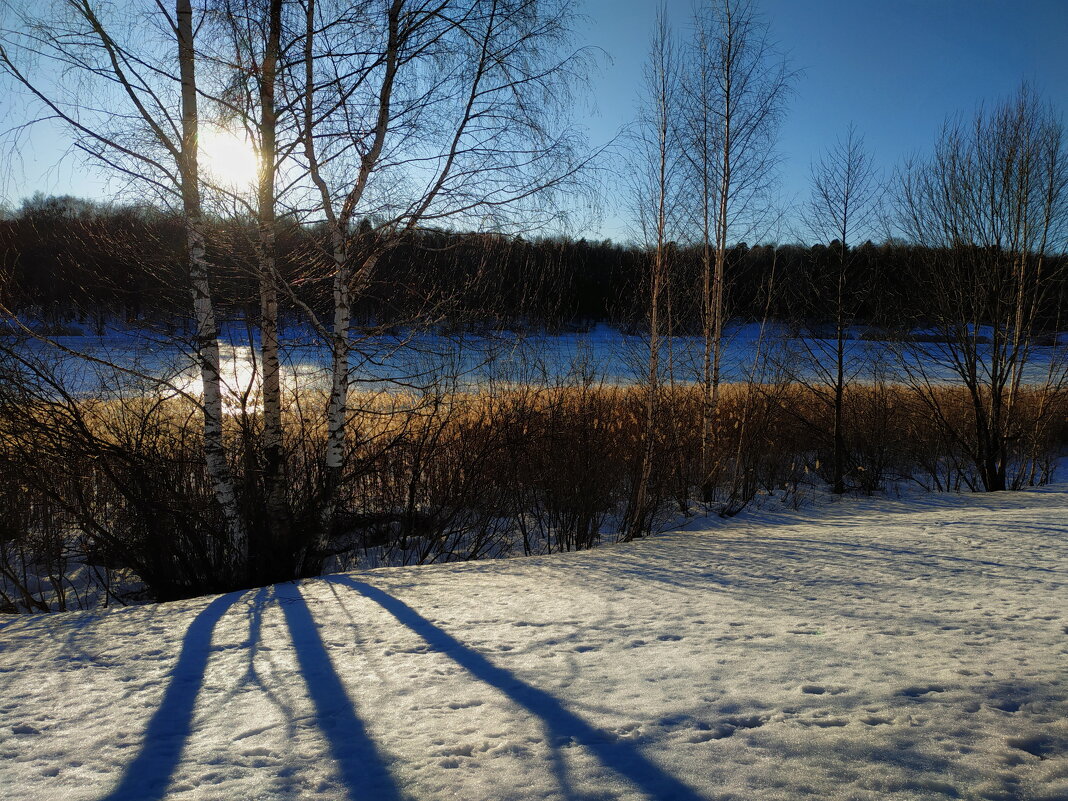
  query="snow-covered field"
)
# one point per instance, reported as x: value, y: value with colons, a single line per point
x: 866, y: 649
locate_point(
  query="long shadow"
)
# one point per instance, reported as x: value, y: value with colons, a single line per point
x: 619, y: 756
x: 362, y: 769
x: 147, y: 777
x: 264, y: 597
x: 699, y: 569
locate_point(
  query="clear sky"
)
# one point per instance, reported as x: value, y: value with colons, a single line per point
x: 894, y: 68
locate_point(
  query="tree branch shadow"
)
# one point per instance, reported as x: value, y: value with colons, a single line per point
x: 359, y: 762
x: 362, y: 770
x: 148, y: 775
x: 564, y: 726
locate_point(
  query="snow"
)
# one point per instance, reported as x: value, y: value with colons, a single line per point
x: 864, y: 649
x: 417, y: 357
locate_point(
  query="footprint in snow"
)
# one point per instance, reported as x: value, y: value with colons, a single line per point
x: 703, y: 736
x: 918, y: 691
x: 669, y: 638
x: 877, y: 720
x: 1007, y: 704
x: 464, y: 704
x: 819, y: 689
x: 825, y: 723
x: 746, y: 721
x: 1042, y: 746
x: 725, y: 728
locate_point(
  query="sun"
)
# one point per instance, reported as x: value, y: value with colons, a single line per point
x: 228, y: 158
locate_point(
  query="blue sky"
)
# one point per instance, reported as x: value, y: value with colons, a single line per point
x: 894, y: 68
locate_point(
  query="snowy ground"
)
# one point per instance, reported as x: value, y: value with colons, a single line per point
x: 861, y: 650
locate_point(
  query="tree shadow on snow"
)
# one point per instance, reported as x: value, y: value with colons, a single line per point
x: 361, y: 768
x: 564, y: 727
x: 147, y: 777
x: 359, y: 763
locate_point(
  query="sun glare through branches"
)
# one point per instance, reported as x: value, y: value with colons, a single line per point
x: 228, y: 158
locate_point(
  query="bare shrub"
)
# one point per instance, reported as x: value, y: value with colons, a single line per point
x: 101, y: 498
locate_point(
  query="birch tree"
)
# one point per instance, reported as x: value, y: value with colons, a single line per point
x: 426, y: 113
x: 736, y: 84
x: 845, y: 194
x: 372, y: 119
x: 252, y: 45
x: 656, y: 182
x: 124, y: 85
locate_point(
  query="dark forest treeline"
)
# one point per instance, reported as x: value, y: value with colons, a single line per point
x: 66, y: 260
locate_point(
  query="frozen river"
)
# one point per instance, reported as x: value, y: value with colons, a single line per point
x: 137, y: 360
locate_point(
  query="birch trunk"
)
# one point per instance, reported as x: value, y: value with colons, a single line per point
x: 641, y: 515
x: 838, y: 434
x: 714, y: 326
x: 340, y: 222
x: 660, y: 80
x: 337, y: 409
x: 278, y: 517
x: 235, y: 550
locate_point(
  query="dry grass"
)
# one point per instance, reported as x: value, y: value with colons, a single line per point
x: 456, y: 475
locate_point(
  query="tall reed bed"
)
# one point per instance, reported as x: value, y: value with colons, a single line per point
x: 104, y: 501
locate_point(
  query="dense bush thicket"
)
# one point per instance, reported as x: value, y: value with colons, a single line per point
x: 96, y: 493
x: 106, y: 492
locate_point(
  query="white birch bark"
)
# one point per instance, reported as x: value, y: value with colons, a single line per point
x: 207, y: 338
x: 660, y: 83
x: 337, y: 408
x: 340, y: 221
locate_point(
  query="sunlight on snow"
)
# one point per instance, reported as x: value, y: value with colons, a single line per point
x: 241, y: 373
